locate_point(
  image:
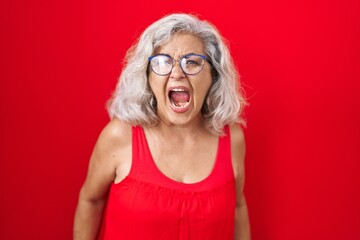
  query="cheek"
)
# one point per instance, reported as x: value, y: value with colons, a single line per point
x: 205, y: 85
x: 202, y: 92
x: 156, y: 85
x: 151, y: 87
x: 152, y: 83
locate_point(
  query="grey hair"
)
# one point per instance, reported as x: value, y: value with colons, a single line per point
x: 133, y: 101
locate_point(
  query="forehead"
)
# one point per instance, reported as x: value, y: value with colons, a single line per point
x: 182, y: 43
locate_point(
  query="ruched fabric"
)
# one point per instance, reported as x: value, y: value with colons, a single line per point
x: 148, y: 205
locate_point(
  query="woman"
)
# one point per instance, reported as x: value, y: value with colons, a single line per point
x: 170, y: 164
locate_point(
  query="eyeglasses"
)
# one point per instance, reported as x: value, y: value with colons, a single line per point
x: 190, y: 64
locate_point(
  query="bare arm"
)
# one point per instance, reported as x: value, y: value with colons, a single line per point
x: 111, y: 146
x: 242, y: 225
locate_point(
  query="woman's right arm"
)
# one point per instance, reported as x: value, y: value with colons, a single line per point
x: 110, y: 150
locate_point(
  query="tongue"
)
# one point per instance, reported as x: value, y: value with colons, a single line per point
x: 180, y: 96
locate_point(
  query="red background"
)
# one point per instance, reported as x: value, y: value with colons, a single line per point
x: 299, y: 62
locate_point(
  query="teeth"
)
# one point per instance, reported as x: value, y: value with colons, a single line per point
x: 178, y: 90
x: 179, y: 107
x: 174, y: 104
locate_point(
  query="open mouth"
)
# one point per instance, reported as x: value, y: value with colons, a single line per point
x: 179, y: 99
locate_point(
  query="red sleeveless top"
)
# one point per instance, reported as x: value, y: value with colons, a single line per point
x: 148, y: 205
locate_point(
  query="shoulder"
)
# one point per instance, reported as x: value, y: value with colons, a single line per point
x: 237, y: 135
x: 111, y: 150
x: 116, y: 129
x: 237, y: 149
x: 115, y: 133
x: 115, y: 136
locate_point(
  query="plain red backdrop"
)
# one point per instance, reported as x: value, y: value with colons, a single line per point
x: 300, y: 66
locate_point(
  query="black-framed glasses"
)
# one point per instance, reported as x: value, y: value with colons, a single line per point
x: 191, y: 64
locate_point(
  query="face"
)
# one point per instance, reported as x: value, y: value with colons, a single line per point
x: 180, y: 97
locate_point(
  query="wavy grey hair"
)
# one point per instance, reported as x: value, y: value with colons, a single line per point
x: 133, y: 101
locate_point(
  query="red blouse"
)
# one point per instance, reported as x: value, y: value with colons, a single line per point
x: 148, y: 205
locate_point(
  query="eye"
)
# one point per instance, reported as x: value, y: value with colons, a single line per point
x: 161, y: 61
x: 191, y: 62
x: 167, y: 60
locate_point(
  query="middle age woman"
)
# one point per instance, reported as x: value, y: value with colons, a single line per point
x: 170, y: 163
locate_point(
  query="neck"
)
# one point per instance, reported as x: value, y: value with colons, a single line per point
x: 179, y: 132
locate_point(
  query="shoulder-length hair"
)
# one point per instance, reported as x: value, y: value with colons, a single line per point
x: 133, y: 101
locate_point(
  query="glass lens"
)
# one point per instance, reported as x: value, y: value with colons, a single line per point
x: 161, y: 64
x: 192, y: 64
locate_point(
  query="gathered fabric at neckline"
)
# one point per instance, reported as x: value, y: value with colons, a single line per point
x: 142, y: 159
x: 148, y: 205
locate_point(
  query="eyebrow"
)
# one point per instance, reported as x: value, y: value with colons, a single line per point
x: 166, y: 54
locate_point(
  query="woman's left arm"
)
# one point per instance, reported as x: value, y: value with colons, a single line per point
x: 242, y: 225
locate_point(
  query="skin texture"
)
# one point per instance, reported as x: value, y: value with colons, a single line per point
x: 199, y: 84
x: 242, y: 224
x: 176, y: 143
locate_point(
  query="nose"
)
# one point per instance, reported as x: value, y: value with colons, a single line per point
x: 177, y: 72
